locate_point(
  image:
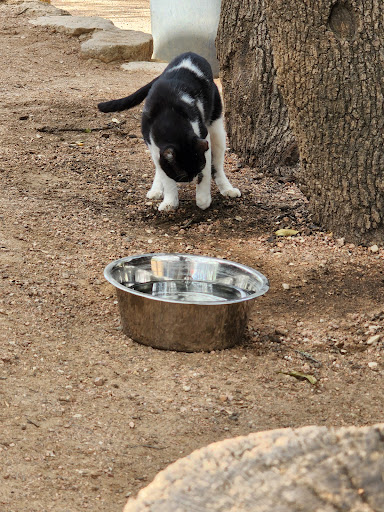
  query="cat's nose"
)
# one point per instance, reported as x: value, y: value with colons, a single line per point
x: 179, y: 176
x: 183, y: 178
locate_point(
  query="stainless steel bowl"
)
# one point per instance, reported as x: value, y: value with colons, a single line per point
x: 184, y: 302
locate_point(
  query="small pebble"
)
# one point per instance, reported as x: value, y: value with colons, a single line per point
x: 373, y: 339
x: 131, y: 424
x: 374, y: 248
x: 286, y: 286
x: 99, y: 381
x: 373, y: 365
x: 187, y: 388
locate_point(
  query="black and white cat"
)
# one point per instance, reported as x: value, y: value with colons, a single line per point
x: 183, y: 127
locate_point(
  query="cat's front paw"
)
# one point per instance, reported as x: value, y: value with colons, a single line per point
x: 167, y: 206
x: 231, y: 192
x: 155, y: 194
x: 203, y: 203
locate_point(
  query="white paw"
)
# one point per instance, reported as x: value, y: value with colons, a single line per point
x: 231, y: 192
x: 167, y: 206
x: 203, y: 203
x: 155, y: 194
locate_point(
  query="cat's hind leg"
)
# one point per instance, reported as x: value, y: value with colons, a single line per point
x: 218, y: 144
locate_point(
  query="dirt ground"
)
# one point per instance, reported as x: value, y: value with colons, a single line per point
x: 125, y: 14
x: 88, y: 417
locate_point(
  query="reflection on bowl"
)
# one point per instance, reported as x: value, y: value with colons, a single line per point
x: 184, y: 302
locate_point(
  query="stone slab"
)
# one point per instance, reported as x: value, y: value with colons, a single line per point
x: 74, y: 25
x: 289, y: 470
x: 118, y: 45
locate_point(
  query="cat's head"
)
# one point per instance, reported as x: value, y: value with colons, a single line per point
x: 181, y: 152
x: 182, y: 162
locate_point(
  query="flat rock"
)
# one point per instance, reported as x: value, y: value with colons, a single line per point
x: 146, y: 67
x: 287, y: 470
x: 118, y: 45
x: 74, y: 25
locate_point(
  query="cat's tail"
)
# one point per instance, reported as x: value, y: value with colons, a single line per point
x: 126, y: 103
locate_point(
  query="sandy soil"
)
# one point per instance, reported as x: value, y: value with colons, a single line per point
x: 88, y: 417
x: 125, y: 14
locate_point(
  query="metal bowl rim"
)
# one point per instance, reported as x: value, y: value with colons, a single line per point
x: 263, y: 288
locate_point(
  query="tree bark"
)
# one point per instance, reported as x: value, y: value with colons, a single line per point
x: 329, y: 58
x: 256, y: 118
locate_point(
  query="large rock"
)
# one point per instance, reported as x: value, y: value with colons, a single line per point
x: 311, y: 468
x: 74, y: 25
x: 118, y: 45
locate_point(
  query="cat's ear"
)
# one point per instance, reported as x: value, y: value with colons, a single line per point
x: 202, y: 145
x: 169, y: 155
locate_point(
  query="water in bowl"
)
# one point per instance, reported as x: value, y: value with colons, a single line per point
x: 190, y: 291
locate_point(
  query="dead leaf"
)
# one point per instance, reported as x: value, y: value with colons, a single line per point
x: 286, y: 232
x: 301, y: 376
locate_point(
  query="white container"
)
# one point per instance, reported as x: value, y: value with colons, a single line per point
x: 185, y: 25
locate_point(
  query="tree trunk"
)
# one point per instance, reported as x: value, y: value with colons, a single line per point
x: 329, y: 58
x: 256, y: 117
